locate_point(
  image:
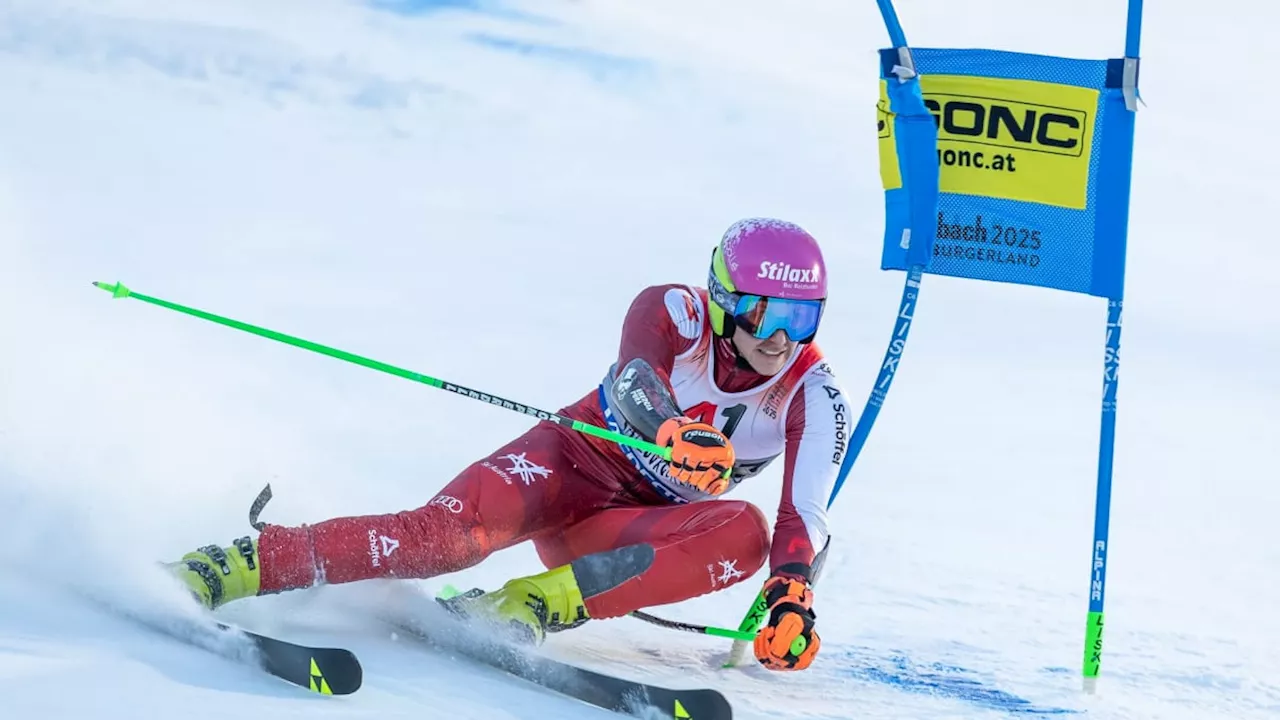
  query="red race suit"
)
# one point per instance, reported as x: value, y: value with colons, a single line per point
x: 573, y: 494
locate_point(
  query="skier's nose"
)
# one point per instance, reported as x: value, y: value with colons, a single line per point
x: 777, y: 339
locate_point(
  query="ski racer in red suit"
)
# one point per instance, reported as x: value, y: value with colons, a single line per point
x: 726, y: 376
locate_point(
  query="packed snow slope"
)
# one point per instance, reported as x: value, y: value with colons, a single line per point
x: 476, y: 190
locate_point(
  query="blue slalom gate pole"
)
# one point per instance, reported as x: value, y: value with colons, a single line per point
x: 1133, y: 29
x: 889, y: 367
x: 896, y: 36
x: 1095, y: 620
x: 916, y: 138
x: 1102, y: 504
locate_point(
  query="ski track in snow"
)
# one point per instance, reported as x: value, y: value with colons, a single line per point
x: 476, y: 189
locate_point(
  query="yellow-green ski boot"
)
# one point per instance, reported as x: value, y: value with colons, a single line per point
x: 538, y: 604
x: 555, y: 600
x: 217, y: 576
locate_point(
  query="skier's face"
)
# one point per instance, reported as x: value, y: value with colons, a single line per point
x: 767, y: 356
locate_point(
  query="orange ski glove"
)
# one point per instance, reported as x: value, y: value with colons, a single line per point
x: 788, y: 641
x: 700, y: 454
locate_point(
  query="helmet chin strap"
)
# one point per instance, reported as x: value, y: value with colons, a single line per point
x: 739, y: 360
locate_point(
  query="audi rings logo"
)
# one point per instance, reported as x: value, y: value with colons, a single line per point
x: 452, y: 504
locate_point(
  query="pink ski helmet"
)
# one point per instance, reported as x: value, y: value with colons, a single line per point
x: 767, y: 275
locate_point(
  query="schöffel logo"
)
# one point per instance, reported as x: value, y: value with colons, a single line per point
x: 786, y: 273
x: 374, y: 556
x: 1008, y: 123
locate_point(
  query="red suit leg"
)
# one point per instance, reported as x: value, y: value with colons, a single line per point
x: 524, y: 487
x: 698, y: 548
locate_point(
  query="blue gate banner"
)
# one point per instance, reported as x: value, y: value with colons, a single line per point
x: 1034, y: 155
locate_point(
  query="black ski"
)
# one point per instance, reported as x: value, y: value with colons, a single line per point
x: 605, y: 691
x: 323, y: 670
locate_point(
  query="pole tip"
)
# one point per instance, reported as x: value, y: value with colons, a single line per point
x: 117, y: 289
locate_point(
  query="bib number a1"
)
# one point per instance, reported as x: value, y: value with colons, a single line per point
x: 705, y: 412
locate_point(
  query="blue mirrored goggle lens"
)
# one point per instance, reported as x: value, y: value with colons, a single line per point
x: 764, y: 316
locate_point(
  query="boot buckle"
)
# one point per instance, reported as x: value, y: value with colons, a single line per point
x: 245, y: 546
x: 217, y: 555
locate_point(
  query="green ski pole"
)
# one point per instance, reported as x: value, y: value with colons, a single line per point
x: 759, y: 611
x: 736, y: 635
x: 118, y: 290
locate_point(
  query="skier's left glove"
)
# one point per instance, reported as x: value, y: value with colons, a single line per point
x: 788, y: 641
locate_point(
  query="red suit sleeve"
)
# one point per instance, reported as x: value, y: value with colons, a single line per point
x: 650, y: 331
x: 816, y: 432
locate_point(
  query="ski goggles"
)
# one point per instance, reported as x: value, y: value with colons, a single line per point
x: 763, y: 316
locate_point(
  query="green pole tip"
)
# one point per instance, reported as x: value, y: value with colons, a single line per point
x: 117, y: 290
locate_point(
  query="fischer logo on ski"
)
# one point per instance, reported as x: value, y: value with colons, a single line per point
x: 318, y: 683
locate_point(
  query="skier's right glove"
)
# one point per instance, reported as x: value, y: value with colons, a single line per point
x: 701, y: 455
x: 788, y: 641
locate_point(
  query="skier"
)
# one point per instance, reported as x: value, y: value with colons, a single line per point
x: 728, y: 377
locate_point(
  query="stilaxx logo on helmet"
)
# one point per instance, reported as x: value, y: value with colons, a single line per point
x: 783, y: 271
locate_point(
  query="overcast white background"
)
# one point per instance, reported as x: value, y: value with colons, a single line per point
x: 476, y: 191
